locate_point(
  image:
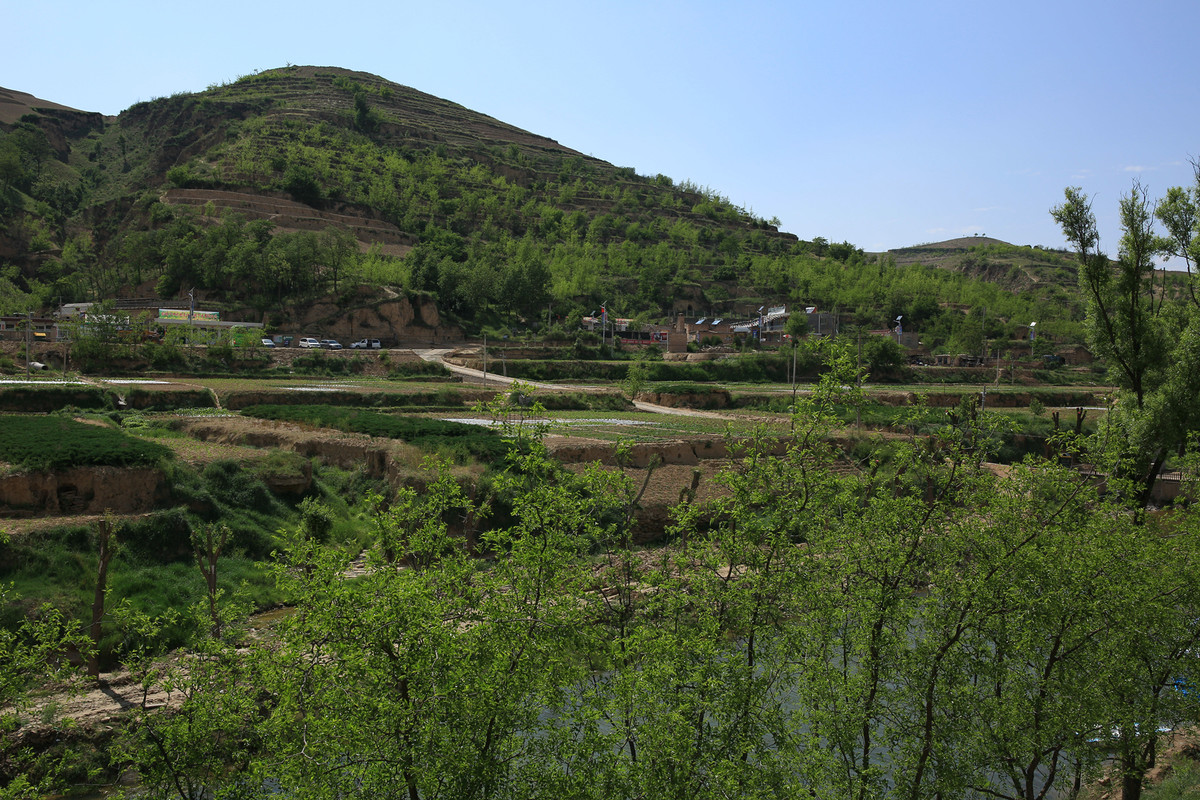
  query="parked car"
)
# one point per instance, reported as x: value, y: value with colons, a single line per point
x: 331, y: 344
x: 372, y: 344
x: 268, y: 342
x: 308, y: 341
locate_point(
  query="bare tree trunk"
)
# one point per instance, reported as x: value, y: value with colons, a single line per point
x: 104, y: 535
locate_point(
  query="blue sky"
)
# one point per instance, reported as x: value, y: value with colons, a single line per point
x: 886, y: 124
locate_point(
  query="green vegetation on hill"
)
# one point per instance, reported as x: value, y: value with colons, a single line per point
x: 292, y: 184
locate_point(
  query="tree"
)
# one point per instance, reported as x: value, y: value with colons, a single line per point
x: 339, y: 250
x: 1146, y: 665
x: 916, y: 629
x: 207, y: 545
x: 30, y: 654
x: 797, y: 326
x: 106, y: 547
x: 636, y: 376
x: 1149, y: 340
x: 1123, y: 304
x: 1179, y: 214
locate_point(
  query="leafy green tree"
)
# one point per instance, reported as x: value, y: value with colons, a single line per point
x: 207, y: 545
x: 911, y: 629
x: 797, y: 326
x: 1145, y: 666
x: 1150, y: 342
x: 883, y: 355
x: 1179, y: 214
x: 30, y: 654
x: 1124, y: 309
x: 636, y: 377
x: 339, y: 251
x: 301, y: 183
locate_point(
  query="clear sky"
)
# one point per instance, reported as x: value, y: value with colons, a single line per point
x: 882, y: 122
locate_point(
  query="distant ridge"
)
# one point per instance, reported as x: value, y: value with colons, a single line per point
x: 14, y: 105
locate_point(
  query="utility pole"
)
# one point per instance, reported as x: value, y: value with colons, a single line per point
x: 794, y: 345
x: 485, y: 359
x: 858, y: 380
x: 28, y: 339
x: 983, y: 333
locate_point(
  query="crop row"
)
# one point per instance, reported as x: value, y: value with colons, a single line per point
x: 49, y: 443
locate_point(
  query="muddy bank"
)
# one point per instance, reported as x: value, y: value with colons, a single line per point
x: 344, y: 450
x: 83, y: 490
x: 716, y: 398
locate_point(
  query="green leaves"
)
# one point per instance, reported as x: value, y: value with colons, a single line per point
x: 1146, y: 336
x: 923, y: 631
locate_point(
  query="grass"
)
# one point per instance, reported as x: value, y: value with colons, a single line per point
x: 648, y: 427
x: 154, y: 571
x: 52, y: 443
x: 454, y: 440
x: 1183, y: 782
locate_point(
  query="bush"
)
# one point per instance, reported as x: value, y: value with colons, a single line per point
x: 317, y: 362
x: 238, y: 487
x: 422, y: 369
x: 302, y: 184
x: 316, y: 520
x: 53, y: 398
x: 163, y: 356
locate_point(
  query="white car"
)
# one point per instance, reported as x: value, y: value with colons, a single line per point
x: 331, y: 344
x: 268, y: 342
x: 365, y: 344
x: 308, y: 341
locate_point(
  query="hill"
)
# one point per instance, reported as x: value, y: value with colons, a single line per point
x: 286, y: 188
x: 1014, y: 267
x: 14, y: 105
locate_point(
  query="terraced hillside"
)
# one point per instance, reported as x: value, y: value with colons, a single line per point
x: 289, y: 188
x: 1012, y: 266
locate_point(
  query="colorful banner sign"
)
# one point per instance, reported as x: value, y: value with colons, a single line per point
x: 182, y: 313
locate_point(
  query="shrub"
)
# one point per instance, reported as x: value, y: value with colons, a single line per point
x: 411, y: 369
x: 53, y: 398
x: 163, y: 356
x: 238, y: 487
x: 316, y: 520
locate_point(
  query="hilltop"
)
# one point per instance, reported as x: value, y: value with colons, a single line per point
x: 305, y: 187
x: 14, y: 105
x: 1015, y: 267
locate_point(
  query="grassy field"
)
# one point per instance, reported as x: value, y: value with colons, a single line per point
x: 651, y: 427
x: 54, y: 442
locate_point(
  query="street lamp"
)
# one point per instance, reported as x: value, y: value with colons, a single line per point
x: 899, y: 328
x: 1032, y: 333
